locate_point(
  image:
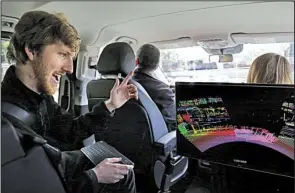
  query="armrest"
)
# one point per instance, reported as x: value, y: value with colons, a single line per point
x: 166, y: 144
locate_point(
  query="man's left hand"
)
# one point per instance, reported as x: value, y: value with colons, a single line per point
x: 121, y: 93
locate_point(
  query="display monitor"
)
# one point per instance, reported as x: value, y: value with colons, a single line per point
x: 242, y: 125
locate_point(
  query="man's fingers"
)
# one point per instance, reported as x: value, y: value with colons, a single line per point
x: 113, y: 160
x: 133, y: 96
x: 127, y: 78
x: 131, y: 87
x: 115, y: 181
x: 119, y: 177
x: 130, y: 167
x: 117, y: 83
x: 123, y: 166
x: 133, y: 92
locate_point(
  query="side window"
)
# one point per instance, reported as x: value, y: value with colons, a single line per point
x: 4, y: 62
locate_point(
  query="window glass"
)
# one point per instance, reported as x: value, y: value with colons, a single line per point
x: 4, y: 62
x: 192, y: 63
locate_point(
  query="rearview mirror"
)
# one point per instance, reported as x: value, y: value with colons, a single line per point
x: 221, y: 58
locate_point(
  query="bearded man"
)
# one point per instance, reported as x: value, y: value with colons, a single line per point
x: 43, y: 48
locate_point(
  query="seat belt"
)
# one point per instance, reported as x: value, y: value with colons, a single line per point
x: 18, y: 113
x: 26, y: 119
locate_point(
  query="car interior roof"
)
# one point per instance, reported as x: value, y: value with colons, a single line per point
x: 100, y: 23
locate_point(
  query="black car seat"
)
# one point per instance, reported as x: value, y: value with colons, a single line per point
x: 25, y: 166
x: 138, y: 129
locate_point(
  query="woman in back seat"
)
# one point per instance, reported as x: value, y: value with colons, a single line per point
x: 270, y: 68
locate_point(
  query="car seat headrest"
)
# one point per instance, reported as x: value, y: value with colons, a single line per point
x: 116, y: 58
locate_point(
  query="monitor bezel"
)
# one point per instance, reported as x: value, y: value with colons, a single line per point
x: 240, y: 166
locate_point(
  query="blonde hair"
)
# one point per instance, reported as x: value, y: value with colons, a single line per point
x: 270, y: 68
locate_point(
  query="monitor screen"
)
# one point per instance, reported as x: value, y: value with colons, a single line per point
x: 240, y: 125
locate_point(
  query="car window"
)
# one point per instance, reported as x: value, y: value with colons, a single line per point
x: 5, y: 64
x: 192, y: 63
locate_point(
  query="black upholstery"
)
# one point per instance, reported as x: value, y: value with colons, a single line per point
x: 158, y: 126
x: 10, y: 140
x: 25, y: 170
x: 98, y: 90
x: 138, y: 128
x: 116, y: 58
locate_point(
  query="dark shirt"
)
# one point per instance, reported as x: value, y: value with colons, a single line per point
x: 161, y: 94
x: 60, y: 129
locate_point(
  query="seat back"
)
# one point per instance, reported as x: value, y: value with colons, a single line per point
x: 99, y: 90
x: 116, y: 60
x: 137, y: 124
x: 129, y: 132
x: 25, y: 167
x: 158, y: 127
x: 138, y: 129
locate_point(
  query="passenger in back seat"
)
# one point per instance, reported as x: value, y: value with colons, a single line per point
x: 270, y: 68
x: 148, y: 58
x: 43, y: 48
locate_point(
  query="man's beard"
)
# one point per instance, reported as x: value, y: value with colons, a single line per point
x: 43, y: 77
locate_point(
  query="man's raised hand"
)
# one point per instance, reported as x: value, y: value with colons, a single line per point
x: 121, y: 93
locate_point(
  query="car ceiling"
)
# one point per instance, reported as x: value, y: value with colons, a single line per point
x: 102, y: 22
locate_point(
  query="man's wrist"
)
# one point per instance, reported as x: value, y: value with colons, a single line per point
x: 110, y: 105
x: 96, y: 174
x: 94, y: 180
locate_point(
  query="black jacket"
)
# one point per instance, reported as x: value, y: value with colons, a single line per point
x: 60, y: 129
x: 55, y: 124
x: 161, y: 94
